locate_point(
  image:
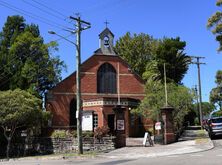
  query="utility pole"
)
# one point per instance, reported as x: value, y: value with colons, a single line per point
x: 198, y: 63
x: 78, y: 30
x: 165, y: 84
x: 197, y: 96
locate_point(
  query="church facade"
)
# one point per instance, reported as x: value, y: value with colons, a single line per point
x: 109, y: 90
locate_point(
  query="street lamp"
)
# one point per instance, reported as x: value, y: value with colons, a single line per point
x: 52, y: 32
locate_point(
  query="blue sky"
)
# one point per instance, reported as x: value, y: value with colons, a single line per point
x: 170, y: 18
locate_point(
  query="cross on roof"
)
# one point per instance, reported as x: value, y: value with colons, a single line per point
x: 106, y: 23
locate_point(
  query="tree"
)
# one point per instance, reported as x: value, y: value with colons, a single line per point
x: 136, y: 49
x: 216, y: 93
x: 171, y: 52
x: 18, y: 109
x: 207, y: 108
x: 179, y: 97
x: 13, y: 27
x: 215, y: 23
x: 27, y: 63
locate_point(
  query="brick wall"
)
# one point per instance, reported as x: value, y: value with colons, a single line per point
x: 131, y: 86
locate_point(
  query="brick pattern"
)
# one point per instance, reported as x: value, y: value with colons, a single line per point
x: 131, y: 86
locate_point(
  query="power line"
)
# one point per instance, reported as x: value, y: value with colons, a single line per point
x: 46, y: 11
x: 29, y: 14
x: 50, y: 8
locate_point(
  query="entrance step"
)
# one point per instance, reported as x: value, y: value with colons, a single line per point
x: 134, y: 142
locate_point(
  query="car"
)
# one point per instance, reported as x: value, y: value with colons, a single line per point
x: 214, y: 126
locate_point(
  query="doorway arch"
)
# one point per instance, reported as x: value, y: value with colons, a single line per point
x: 72, y: 114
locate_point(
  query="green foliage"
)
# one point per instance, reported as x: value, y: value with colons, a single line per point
x: 18, y: 109
x: 87, y: 134
x: 196, y: 121
x: 136, y: 49
x: 70, y: 134
x: 26, y: 62
x: 206, y: 108
x: 217, y: 114
x: 179, y: 97
x: 214, y: 23
x: 151, y: 54
x: 101, y: 132
x: 215, y: 93
x: 45, y: 117
x: 171, y: 52
x: 60, y: 134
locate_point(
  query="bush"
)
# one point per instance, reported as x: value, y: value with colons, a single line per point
x: 101, y: 132
x: 60, y: 134
x: 70, y: 134
x: 196, y: 121
x: 87, y: 134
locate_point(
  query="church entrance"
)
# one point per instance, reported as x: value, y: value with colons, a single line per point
x: 111, y: 122
x: 72, y: 114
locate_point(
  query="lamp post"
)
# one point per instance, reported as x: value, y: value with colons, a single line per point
x: 78, y: 88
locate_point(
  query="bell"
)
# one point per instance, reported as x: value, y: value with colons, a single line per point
x: 106, y: 42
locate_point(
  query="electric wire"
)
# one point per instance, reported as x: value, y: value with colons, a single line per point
x: 45, y: 11
x: 43, y: 20
x: 51, y: 9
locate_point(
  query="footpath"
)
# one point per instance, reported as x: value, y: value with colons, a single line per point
x: 190, y: 142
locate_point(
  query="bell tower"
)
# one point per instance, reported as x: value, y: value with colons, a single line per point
x: 106, y: 42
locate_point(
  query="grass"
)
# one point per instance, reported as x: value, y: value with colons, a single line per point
x: 201, y: 140
x: 201, y: 133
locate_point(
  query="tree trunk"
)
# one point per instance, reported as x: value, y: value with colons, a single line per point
x: 8, y: 147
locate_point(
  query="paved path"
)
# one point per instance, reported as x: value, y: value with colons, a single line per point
x: 183, y: 147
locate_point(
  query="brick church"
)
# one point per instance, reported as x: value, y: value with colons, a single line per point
x: 109, y: 90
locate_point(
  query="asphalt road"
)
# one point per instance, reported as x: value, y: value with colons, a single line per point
x: 211, y: 157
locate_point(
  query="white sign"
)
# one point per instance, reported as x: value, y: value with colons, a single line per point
x: 158, y: 126
x: 120, y: 125
x: 145, y: 137
x: 87, y: 121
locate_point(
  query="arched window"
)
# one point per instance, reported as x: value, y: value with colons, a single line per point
x: 106, y: 79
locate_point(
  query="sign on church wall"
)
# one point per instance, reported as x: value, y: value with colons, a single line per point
x: 87, y: 121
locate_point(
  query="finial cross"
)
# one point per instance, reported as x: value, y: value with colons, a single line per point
x: 106, y: 23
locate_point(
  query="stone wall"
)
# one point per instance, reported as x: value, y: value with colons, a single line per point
x: 63, y: 145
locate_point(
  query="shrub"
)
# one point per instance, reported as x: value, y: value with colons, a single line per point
x: 70, y: 134
x: 87, y: 134
x: 60, y: 134
x: 196, y: 121
x: 100, y: 132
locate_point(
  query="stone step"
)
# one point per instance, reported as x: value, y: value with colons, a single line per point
x: 130, y: 142
x: 135, y: 142
x: 193, y: 134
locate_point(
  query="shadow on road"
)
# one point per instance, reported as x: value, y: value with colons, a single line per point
x: 115, y: 162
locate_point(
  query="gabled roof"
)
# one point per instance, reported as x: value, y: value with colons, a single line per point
x: 104, y: 32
